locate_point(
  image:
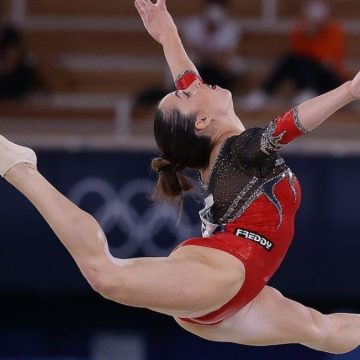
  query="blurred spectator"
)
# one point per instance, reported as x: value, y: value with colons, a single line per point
x: 212, y: 39
x: 315, y: 63
x: 17, y: 75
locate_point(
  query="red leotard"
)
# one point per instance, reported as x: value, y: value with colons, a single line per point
x: 260, y: 264
x: 250, y: 204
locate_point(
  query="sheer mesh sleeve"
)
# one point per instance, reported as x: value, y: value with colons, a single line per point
x: 259, y: 147
x: 246, y: 148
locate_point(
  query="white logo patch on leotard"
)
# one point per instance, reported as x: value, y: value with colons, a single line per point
x: 266, y: 244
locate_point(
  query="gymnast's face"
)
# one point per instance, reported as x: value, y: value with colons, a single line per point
x: 212, y: 102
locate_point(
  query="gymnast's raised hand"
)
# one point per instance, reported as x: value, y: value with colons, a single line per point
x: 160, y: 25
x: 355, y: 87
x: 157, y: 20
x: 215, y: 286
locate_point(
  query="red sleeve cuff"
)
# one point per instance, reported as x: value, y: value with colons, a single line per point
x: 281, y: 131
x: 289, y: 126
x: 185, y: 79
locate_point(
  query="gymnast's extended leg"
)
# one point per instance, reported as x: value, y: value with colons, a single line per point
x: 193, y: 280
x: 272, y: 319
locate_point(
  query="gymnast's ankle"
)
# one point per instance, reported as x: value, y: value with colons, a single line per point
x: 19, y: 170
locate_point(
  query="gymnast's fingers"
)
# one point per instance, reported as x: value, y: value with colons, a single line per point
x: 148, y: 5
x: 144, y: 15
x: 161, y: 4
x: 355, y: 86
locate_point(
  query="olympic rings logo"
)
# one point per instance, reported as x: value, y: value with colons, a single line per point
x: 141, y: 227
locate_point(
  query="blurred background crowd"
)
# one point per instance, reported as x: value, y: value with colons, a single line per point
x: 79, y: 81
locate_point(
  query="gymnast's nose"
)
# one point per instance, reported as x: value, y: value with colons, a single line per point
x: 195, y: 86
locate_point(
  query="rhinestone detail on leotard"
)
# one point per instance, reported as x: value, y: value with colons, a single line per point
x: 231, y: 209
x: 297, y: 121
x: 269, y: 141
x: 269, y: 193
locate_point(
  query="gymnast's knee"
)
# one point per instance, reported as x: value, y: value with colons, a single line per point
x: 333, y: 343
x: 324, y: 335
x: 206, y: 332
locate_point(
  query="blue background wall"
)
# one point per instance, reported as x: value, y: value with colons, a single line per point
x: 48, y: 309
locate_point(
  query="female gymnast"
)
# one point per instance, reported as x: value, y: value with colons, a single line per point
x: 214, y: 286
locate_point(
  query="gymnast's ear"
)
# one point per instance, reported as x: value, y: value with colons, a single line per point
x: 202, y: 121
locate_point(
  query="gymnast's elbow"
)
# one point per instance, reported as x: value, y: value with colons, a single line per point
x: 103, y: 280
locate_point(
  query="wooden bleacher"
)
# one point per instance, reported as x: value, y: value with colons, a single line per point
x: 5, y: 6
x: 344, y: 9
x: 34, y: 119
x: 110, y: 8
x: 269, y: 44
x: 117, y: 81
x: 95, y: 42
x: 52, y: 38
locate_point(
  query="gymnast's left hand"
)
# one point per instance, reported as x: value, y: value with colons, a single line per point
x: 355, y: 87
x: 156, y: 18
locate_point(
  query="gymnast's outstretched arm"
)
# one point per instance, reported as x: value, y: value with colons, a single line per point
x: 315, y: 111
x: 160, y: 25
x: 305, y: 117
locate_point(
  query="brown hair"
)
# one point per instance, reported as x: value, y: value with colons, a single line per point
x: 171, y: 181
x: 181, y: 148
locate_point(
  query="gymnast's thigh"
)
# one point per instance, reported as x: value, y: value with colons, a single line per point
x: 270, y: 319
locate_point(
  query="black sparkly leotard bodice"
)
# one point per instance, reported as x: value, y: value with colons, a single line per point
x: 247, y: 166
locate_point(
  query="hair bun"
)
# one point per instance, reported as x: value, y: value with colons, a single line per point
x: 171, y: 182
x: 160, y: 165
